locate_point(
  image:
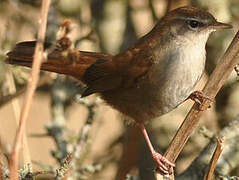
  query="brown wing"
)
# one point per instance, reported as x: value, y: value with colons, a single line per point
x: 122, y: 71
x: 101, y: 76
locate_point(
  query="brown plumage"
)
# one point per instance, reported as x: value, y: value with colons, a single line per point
x: 149, y: 79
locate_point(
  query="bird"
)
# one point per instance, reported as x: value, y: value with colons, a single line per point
x: 147, y: 80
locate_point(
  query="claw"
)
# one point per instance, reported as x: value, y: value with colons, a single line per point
x: 199, y: 97
x: 162, y: 171
x: 164, y: 165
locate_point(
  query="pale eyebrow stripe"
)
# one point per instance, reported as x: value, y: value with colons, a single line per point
x: 192, y: 19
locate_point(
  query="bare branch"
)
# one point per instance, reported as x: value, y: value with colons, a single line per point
x: 228, y: 160
x: 16, y: 109
x: 215, y: 157
x: 38, y: 55
x: 84, y: 134
x: 62, y: 172
x: 215, y: 82
x: 1, y: 164
x: 44, y: 80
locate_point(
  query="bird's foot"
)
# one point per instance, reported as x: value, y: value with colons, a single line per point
x: 199, y: 97
x: 163, y: 164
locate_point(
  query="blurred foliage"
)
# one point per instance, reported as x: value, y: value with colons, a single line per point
x: 112, y: 26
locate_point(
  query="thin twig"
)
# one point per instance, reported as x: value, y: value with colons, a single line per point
x: 215, y: 157
x: 169, y: 5
x: 215, y: 82
x: 8, y: 98
x: 16, y: 109
x: 228, y: 162
x: 4, y: 146
x: 44, y: 80
x: 151, y: 6
x: 38, y: 55
x: 1, y: 164
x: 84, y: 133
x: 62, y: 172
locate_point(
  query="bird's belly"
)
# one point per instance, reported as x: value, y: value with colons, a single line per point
x: 175, y: 89
x: 138, y: 103
x: 148, y: 101
x: 174, y: 93
x: 158, y: 94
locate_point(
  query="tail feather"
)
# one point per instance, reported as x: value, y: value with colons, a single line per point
x: 74, y: 64
x: 23, y: 51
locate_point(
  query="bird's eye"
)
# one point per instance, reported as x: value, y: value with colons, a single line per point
x: 193, y: 24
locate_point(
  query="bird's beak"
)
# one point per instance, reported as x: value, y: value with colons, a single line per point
x: 219, y: 25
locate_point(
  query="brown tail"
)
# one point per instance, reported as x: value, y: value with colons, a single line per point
x: 74, y: 63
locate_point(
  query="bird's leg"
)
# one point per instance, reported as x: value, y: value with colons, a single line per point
x: 198, y: 97
x: 162, y: 162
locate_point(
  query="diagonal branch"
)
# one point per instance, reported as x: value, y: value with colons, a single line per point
x: 215, y: 82
x: 38, y: 56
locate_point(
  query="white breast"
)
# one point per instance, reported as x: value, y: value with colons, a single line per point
x: 184, y: 72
